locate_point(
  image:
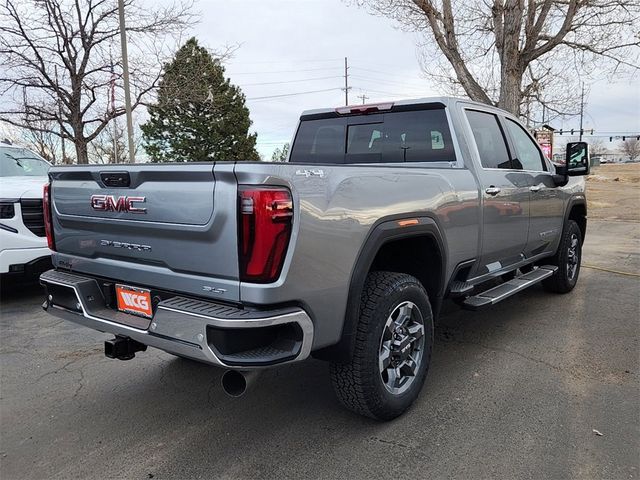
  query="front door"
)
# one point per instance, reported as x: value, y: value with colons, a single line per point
x: 546, y: 204
x: 505, y: 196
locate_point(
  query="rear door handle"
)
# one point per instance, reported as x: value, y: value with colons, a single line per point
x: 536, y: 188
x: 492, y: 190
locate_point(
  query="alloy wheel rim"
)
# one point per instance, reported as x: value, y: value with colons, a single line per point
x: 401, y: 347
x: 572, y: 257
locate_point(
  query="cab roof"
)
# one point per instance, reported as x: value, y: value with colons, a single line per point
x: 446, y: 101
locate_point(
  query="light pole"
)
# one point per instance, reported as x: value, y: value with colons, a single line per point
x: 125, y: 73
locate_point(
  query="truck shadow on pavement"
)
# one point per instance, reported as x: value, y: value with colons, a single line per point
x: 168, y: 417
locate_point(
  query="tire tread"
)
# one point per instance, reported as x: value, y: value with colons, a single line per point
x: 352, y: 381
x: 558, y: 283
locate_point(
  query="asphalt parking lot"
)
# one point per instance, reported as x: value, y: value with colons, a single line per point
x: 515, y: 391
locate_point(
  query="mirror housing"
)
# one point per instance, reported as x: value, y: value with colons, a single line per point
x: 577, y: 161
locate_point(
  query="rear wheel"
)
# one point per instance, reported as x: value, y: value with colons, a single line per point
x: 567, y: 259
x: 394, y: 340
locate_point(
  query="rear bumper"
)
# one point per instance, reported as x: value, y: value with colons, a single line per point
x: 212, y: 333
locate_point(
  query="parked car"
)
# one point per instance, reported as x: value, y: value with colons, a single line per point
x: 23, y: 243
x: 345, y: 252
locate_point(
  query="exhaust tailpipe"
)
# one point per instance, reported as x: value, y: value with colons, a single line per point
x: 235, y: 383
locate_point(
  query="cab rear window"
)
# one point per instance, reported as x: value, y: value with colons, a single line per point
x: 393, y: 137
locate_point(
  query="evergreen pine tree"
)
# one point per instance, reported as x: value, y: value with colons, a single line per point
x: 199, y: 115
x: 280, y: 154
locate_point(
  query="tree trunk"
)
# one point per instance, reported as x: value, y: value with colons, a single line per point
x: 82, y: 154
x: 510, y: 90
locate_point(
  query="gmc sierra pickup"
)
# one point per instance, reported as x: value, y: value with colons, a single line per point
x: 345, y: 252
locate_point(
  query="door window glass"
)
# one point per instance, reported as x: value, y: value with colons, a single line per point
x: 489, y: 139
x: 529, y: 156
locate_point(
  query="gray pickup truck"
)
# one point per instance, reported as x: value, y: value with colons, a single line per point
x: 345, y: 252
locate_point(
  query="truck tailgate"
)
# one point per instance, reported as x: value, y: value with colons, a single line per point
x: 168, y: 226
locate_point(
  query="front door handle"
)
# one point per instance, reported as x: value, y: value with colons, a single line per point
x: 492, y: 190
x: 536, y: 188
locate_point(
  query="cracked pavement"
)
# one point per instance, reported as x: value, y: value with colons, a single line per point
x: 514, y: 391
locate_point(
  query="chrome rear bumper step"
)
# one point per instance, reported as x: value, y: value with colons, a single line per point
x: 506, y: 289
x: 212, y: 333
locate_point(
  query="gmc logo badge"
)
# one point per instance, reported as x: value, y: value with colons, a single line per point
x: 109, y: 203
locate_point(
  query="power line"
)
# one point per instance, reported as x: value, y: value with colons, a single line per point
x: 386, y: 74
x: 287, y: 61
x: 388, y: 82
x: 379, y: 65
x: 289, y: 81
x: 293, y: 94
x: 285, y: 71
x: 378, y: 72
x: 368, y: 90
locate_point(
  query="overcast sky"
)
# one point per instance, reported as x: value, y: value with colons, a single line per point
x: 307, y: 40
x: 304, y: 43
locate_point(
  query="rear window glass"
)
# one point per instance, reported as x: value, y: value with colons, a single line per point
x: 409, y: 136
x: 320, y: 141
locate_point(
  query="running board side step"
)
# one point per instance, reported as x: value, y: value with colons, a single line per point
x: 506, y: 289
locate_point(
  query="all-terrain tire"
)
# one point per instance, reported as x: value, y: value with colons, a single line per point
x: 567, y: 259
x: 359, y: 384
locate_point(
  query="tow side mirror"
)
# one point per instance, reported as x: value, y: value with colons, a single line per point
x: 577, y: 159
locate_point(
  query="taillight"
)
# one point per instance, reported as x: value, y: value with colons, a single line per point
x: 46, y: 209
x: 265, y: 216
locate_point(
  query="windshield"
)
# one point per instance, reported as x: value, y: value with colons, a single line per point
x: 20, y: 162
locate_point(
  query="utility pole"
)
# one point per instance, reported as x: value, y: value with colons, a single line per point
x: 581, y: 110
x: 363, y: 97
x: 346, y: 82
x: 125, y: 72
x: 112, y: 108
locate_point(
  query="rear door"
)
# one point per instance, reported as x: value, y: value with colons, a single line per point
x: 505, y: 195
x: 168, y: 226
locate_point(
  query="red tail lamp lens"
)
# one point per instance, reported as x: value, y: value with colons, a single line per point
x: 265, y: 219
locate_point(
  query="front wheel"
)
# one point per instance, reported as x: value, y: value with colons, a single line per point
x: 394, y: 340
x: 567, y: 259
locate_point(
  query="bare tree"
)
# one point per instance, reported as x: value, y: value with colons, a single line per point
x: 513, y: 53
x: 597, y: 148
x: 631, y: 148
x: 43, y: 142
x: 40, y: 140
x: 111, y: 145
x: 56, y: 58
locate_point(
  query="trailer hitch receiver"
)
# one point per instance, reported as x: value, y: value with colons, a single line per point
x: 123, y: 348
